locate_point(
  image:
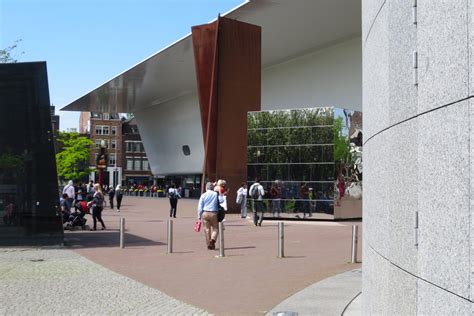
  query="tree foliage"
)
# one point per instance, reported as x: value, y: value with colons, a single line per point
x: 6, y: 55
x: 341, y: 142
x: 73, y: 159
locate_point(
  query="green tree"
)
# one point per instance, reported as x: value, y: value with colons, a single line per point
x: 341, y: 143
x: 6, y: 53
x: 73, y: 158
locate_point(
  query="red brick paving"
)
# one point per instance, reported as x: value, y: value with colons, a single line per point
x: 249, y: 280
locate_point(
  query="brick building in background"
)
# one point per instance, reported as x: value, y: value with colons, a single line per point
x: 106, y: 127
x: 127, y: 163
x: 136, y: 169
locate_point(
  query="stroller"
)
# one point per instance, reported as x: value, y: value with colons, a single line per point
x: 76, y: 219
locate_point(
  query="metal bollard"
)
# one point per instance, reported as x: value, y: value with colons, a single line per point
x: 281, y: 240
x: 355, y: 228
x: 170, y: 236
x: 221, y: 240
x: 122, y: 232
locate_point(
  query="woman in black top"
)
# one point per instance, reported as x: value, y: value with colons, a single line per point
x: 97, y: 206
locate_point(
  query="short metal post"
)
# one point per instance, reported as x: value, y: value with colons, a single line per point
x: 355, y: 229
x: 221, y: 240
x: 170, y: 236
x: 281, y: 240
x: 122, y: 232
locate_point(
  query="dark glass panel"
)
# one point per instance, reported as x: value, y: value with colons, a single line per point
x: 317, y: 135
x: 292, y: 154
x: 28, y: 183
x: 271, y: 155
x: 251, y: 154
x: 327, y: 135
x: 299, y: 172
x: 252, y: 137
x: 278, y: 172
x: 327, y: 153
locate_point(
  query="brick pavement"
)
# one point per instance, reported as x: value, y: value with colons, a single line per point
x: 250, y: 280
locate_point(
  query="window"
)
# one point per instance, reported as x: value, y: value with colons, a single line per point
x: 128, y: 146
x: 186, y: 150
x: 105, y: 130
x: 138, y: 147
x: 112, y: 159
x: 137, y: 165
x: 129, y: 164
x: 146, y: 166
x: 105, y: 116
x: 98, y: 129
x: 114, y: 130
x: 98, y: 141
x: 113, y: 144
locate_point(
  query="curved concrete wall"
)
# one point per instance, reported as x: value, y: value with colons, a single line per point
x: 418, y: 152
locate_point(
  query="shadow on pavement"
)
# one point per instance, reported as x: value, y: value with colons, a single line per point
x: 82, y: 239
x: 234, y: 248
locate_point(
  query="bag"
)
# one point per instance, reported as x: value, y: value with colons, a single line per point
x: 255, y: 194
x: 220, y: 210
x: 197, y: 226
x: 172, y: 194
x: 220, y: 214
x: 239, y: 199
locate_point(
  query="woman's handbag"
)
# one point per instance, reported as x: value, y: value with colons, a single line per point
x: 220, y: 210
x: 197, y: 226
x: 239, y: 199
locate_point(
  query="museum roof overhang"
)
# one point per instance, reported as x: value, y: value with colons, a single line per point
x: 289, y: 29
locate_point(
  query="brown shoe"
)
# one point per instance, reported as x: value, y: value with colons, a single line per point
x: 212, y: 244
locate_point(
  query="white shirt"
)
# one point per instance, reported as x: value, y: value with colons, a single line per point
x: 69, y: 190
x: 259, y: 188
x: 175, y: 191
x: 242, y: 191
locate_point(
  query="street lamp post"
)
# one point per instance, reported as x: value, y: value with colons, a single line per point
x: 102, y: 162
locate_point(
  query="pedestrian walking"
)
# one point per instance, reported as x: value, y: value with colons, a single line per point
x: 111, y: 197
x: 119, y: 196
x: 256, y: 193
x: 208, y: 207
x: 90, y: 189
x: 275, y: 194
x: 242, y: 199
x: 97, y: 206
x: 71, y: 194
x: 173, y: 195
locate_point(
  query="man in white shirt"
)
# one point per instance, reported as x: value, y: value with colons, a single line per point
x: 173, y: 195
x: 257, y: 192
x: 207, y: 212
x: 69, y: 190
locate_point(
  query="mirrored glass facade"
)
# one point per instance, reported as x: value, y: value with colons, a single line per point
x: 306, y: 160
x: 29, y: 199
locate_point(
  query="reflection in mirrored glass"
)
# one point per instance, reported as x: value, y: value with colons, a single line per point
x: 309, y: 160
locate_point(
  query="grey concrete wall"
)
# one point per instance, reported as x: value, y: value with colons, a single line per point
x: 418, y: 157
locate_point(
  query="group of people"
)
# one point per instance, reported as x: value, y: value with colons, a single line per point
x: 94, y: 197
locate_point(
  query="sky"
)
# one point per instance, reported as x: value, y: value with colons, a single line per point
x: 88, y: 42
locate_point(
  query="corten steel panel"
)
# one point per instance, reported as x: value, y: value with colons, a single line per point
x: 205, y: 56
x: 237, y: 84
x: 239, y: 91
